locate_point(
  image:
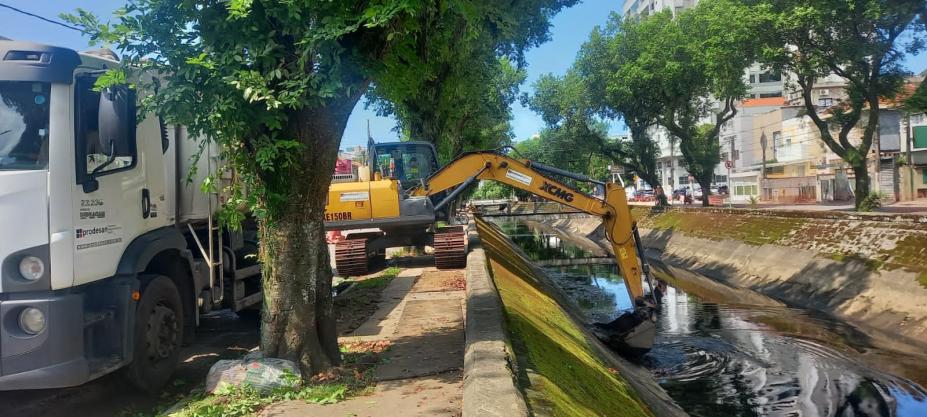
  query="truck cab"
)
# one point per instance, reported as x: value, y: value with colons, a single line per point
x: 109, y: 256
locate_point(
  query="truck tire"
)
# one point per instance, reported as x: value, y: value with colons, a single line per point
x: 158, y: 334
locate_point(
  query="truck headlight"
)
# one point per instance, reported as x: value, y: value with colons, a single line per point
x: 31, y: 268
x: 32, y: 320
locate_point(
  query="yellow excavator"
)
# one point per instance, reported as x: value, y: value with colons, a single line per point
x: 404, y: 209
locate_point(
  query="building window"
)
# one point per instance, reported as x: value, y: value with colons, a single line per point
x: 777, y: 139
x: 720, y: 179
x: 736, y: 154
x: 684, y: 180
x: 752, y: 78
x: 768, y: 95
x: 920, y: 136
x: 770, y: 77
x: 745, y: 190
x: 724, y: 156
x: 924, y: 176
x: 825, y: 102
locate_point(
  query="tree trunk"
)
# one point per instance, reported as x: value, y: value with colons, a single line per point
x: 863, y: 187
x: 298, y: 322
x: 705, y: 182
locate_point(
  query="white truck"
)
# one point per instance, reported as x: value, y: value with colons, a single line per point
x: 108, y: 255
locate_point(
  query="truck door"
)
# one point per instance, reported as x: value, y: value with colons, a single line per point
x: 112, y: 201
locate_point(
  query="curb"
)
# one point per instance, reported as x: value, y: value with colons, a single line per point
x: 489, y: 385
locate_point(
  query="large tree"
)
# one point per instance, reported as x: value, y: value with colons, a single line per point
x: 686, y: 71
x: 463, y: 107
x: 917, y: 101
x: 273, y: 82
x: 467, y: 81
x: 596, y: 62
x: 577, y: 129
x: 864, y: 42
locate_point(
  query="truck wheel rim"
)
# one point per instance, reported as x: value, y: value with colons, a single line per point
x: 162, y: 333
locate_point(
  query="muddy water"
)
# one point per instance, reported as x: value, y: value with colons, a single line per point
x: 726, y: 353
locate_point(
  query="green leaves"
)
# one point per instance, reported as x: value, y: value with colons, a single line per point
x: 239, y: 8
x: 675, y: 72
x: 452, y: 80
x: 861, y: 42
x: 110, y: 78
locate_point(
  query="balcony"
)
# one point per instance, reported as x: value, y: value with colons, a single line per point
x: 792, y: 152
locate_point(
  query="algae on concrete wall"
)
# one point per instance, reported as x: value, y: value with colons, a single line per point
x: 558, y: 370
x: 879, y: 242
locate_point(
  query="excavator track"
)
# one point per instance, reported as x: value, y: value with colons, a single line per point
x: 450, y: 248
x: 351, y: 257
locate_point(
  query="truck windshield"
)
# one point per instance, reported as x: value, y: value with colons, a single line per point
x: 24, y: 125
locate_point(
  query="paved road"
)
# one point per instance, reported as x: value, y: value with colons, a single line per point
x: 220, y: 335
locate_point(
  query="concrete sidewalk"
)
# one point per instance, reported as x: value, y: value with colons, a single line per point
x: 422, y: 314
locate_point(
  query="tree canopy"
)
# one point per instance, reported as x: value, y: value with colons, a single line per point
x: 578, y: 127
x: 273, y: 83
x: 862, y: 42
x: 460, y: 95
x: 684, y: 73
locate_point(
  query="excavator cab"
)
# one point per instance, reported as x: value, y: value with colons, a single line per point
x: 407, y: 162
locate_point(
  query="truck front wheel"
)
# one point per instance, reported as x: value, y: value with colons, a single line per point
x: 158, y: 334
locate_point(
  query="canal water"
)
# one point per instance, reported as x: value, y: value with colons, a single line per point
x: 726, y: 358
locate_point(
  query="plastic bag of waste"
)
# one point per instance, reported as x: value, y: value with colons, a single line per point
x: 262, y: 374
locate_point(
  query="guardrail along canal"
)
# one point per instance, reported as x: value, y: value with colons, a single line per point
x: 728, y: 352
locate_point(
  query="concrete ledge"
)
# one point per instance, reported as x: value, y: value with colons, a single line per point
x: 900, y: 218
x: 489, y: 385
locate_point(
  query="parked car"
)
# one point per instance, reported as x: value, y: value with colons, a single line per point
x: 724, y: 190
x: 642, y: 195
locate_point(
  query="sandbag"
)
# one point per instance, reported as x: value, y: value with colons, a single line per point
x: 262, y: 374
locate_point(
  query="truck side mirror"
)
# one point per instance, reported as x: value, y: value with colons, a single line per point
x: 115, y: 128
x: 116, y: 119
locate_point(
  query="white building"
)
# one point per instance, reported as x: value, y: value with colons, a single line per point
x: 648, y: 7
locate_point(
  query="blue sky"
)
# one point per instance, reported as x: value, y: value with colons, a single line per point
x: 570, y: 29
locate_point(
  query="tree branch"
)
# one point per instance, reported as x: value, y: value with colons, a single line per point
x: 807, y: 83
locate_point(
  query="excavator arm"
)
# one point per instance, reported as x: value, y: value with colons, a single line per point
x: 530, y: 176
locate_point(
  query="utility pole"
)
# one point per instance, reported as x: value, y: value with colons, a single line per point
x: 672, y: 162
x: 763, y: 146
x: 878, y: 160
x: 910, y: 157
x: 730, y: 164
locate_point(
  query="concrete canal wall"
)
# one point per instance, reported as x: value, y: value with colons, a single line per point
x: 558, y: 365
x: 870, y: 270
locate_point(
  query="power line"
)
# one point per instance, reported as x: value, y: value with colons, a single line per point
x: 7, y: 6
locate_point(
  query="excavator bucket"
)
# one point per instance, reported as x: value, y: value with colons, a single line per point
x: 632, y: 332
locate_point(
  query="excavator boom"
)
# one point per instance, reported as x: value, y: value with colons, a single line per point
x: 632, y: 331
x: 530, y: 177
